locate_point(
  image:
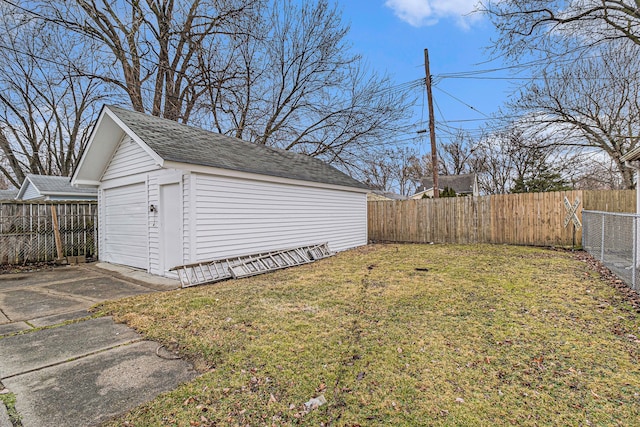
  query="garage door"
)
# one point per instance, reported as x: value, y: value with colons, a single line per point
x: 125, y: 226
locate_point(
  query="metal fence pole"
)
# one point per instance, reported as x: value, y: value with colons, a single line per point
x: 602, y: 241
x: 635, y: 253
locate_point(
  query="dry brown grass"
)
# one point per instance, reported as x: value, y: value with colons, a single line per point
x: 489, y: 335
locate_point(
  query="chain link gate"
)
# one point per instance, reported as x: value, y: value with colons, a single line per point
x: 613, y: 239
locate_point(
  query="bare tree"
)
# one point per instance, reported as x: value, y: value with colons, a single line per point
x: 455, y: 156
x: 45, y: 108
x: 591, y: 103
x: 513, y: 161
x: 295, y: 85
x: 274, y: 72
x: 547, y: 25
x: 154, y: 43
x: 596, y: 171
x: 391, y: 170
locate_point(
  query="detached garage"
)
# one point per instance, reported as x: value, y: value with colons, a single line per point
x: 171, y: 194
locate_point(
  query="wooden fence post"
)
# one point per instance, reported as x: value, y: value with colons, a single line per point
x: 56, y: 232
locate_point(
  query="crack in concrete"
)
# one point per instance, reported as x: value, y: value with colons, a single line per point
x: 8, y: 401
x: 5, y: 315
x: 71, y: 359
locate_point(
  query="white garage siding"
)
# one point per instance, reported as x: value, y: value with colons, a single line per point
x: 155, y: 180
x: 124, y: 232
x: 154, y: 224
x: 129, y: 159
x: 125, y: 225
x: 236, y: 217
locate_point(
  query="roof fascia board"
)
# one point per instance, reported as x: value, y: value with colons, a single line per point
x: 159, y: 160
x: 86, y: 183
x: 89, y: 144
x: 96, y: 127
x: 258, y: 177
x: 62, y: 193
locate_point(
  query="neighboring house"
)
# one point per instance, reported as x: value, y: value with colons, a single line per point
x: 171, y: 194
x: 463, y: 185
x: 380, y: 195
x: 7, y: 195
x: 51, y: 188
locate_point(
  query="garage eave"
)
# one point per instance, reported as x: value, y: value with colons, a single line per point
x: 106, y: 135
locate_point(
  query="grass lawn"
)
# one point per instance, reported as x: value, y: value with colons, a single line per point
x: 489, y: 335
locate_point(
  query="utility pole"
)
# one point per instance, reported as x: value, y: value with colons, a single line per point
x: 432, y: 127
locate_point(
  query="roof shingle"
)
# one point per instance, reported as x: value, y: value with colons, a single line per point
x: 181, y: 143
x: 47, y: 184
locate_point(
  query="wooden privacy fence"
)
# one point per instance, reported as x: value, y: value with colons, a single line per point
x: 535, y: 219
x: 28, y: 231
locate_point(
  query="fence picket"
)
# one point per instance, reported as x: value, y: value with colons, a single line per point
x: 521, y: 219
x: 27, y: 235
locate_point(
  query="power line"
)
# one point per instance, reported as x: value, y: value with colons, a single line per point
x: 462, y: 102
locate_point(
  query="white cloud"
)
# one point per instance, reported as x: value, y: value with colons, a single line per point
x: 427, y: 12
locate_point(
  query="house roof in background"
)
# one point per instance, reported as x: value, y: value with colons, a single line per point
x: 389, y: 195
x: 461, y: 184
x: 54, y: 186
x: 8, y: 194
x: 180, y: 143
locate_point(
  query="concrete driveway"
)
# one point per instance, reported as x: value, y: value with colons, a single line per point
x: 86, y: 372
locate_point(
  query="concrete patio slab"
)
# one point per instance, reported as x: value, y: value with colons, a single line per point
x: 21, y: 280
x: 25, y: 304
x: 98, y: 289
x: 86, y: 372
x: 12, y: 328
x: 47, y: 347
x: 56, y: 319
x: 4, y: 417
x: 93, y: 389
x: 154, y: 282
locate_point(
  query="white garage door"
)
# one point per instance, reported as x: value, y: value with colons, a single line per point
x: 125, y: 227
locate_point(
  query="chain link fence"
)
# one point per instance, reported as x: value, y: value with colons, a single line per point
x: 612, y: 238
x: 40, y: 232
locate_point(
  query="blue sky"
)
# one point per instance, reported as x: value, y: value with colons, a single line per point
x: 392, y: 35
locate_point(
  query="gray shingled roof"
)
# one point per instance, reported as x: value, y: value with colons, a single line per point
x: 186, y: 144
x: 389, y: 195
x: 8, y: 194
x: 461, y: 184
x: 47, y: 184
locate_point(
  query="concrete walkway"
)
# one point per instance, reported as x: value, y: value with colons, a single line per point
x: 82, y: 373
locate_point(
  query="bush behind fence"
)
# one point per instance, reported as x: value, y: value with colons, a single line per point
x: 27, y: 232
